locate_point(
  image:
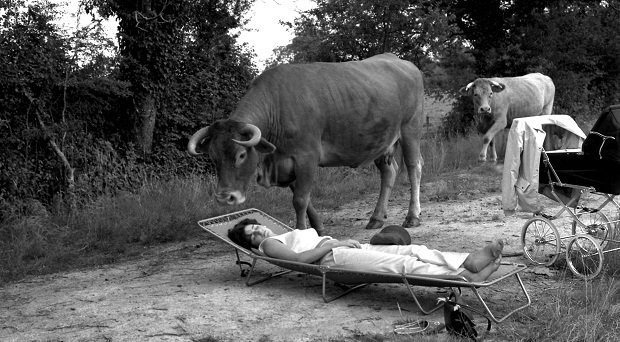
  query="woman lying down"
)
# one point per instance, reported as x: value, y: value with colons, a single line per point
x: 307, y: 246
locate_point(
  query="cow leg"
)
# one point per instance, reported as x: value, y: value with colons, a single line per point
x: 305, y: 174
x: 482, y: 157
x: 315, y: 219
x: 410, y: 142
x: 493, y: 150
x: 497, y: 126
x: 313, y: 215
x: 388, y: 168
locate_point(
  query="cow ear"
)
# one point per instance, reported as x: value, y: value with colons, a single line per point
x: 497, y: 87
x: 265, y: 146
x: 465, y: 91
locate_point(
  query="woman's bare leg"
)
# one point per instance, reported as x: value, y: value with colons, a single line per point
x: 478, y: 260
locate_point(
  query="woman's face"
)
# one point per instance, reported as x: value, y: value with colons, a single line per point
x: 256, y: 233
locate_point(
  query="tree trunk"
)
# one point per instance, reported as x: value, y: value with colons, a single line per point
x: 144, y: 122
x: 69, y: 171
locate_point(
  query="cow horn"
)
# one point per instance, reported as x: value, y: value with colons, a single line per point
x: 195, y: 140
x: 254, y: 140
x: 469, y: 86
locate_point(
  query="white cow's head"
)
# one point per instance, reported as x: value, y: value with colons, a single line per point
x: 481, y: 91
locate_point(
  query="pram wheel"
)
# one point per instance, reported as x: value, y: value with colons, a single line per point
x: 540, y: 240
x: 584, y: 256
x: 593, y: 223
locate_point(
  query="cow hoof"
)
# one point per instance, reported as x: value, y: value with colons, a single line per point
x: 374, y: 224
x: 411, y: 222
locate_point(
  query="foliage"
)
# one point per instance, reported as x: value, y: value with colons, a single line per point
x: 39, y: 78
x: 454, y: 42
x: 178, y: 57
x: 574, y: 42
x: 344, y: 30
x: 86, y: 95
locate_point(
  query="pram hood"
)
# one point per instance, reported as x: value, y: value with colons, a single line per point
x: 526, y: 139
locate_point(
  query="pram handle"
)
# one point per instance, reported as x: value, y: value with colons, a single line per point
x: 605, y: 137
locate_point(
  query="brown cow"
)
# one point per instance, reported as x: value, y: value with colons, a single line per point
x: 298, y: 117
x: 504, y: 99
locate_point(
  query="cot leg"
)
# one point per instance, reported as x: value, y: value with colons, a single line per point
x: 491, y: 315
x: 350, y: 289
x: 248, y: 280
x: 417, y: 302
x: 243, y: 272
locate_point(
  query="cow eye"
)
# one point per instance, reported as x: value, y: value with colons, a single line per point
x: 241, y: 155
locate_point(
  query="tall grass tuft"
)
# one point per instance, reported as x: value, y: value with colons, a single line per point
x: 106, y: 229
x: 441, y: 155
x: 575, y: 311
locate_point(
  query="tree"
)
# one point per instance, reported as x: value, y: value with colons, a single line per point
x: 155, y: 37
x: 573, y: 41
x: 52, y: 102
x: 33, y: 62
x: 212, y: 74
x: 342, y: 30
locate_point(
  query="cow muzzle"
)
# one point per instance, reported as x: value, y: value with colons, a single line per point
x: 484, y: 110
x: 230, y: 197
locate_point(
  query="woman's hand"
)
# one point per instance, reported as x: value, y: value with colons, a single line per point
x: 343, y: 243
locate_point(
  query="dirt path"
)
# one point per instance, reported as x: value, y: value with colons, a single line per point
x: 192, y: 291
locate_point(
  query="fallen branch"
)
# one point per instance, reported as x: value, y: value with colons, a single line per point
x: 69, y: 171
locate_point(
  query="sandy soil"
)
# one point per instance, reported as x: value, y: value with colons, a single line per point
x: 193, y: 291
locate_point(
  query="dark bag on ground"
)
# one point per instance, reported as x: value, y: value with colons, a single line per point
x: 458, y: 322
x: 603, y: 141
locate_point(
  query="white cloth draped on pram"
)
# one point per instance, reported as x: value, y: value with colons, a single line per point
x: 526, y: 139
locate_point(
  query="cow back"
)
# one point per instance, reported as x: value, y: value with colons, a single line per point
x: 524, y: 95
x: 349, y: 113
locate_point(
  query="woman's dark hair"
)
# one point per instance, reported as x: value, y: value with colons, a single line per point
x: 237, y: 235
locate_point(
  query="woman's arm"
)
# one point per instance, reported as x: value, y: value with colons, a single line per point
x: 276, y: 249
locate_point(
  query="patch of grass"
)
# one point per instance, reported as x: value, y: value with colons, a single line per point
x: 41, y: 242
x: 338, y: 186
x: 441, y: 156
x: 575, y: 311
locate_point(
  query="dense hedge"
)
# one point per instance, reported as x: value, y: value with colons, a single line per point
x: 53, y: 92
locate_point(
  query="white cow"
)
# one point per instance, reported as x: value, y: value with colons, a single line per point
x: 501, y: 100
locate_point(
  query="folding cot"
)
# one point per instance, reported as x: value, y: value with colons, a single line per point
x: 351, y: 279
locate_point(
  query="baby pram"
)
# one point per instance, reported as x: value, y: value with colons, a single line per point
x: 548, y: 155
